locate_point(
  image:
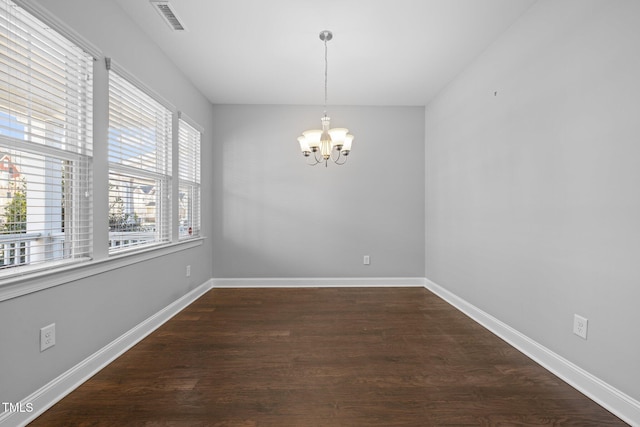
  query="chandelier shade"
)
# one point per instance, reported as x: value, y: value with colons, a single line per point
x: 322, y: 145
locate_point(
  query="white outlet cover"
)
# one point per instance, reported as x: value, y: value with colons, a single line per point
x: 580, y: 325
x: 47, y: 336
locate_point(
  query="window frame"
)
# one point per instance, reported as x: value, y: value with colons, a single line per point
x: 31, y: 279
x: 163, y: 176
x: 54, y: 140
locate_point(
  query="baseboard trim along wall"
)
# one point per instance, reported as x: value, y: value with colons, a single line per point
x: 612, y: 399
x: 323, y: 282
x: 54, y: 391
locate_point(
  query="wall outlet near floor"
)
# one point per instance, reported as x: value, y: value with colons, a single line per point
x: 188, y: 273
x: 47, y: 336
x: 366, y: 260
x: 580, y: 326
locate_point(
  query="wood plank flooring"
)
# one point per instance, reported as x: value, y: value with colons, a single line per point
x: 323, y: 357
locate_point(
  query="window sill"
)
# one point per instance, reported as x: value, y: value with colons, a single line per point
x: 19, y: 285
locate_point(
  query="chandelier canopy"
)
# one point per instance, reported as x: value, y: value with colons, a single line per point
x: 326, y: 144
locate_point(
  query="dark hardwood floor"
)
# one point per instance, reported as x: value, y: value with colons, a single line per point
x: 323, y: 357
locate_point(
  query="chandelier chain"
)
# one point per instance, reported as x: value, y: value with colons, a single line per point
x: 326, y: 67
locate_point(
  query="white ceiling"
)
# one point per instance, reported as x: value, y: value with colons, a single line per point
x: 384, y: 52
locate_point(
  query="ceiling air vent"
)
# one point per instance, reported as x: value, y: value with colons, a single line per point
x: 168, y: 14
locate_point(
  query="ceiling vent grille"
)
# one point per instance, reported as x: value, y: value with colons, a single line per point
x: 168, y: 14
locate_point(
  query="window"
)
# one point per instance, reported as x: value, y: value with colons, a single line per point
x: 139, y: 167
x: 45, y: 144
x: 189, y: 180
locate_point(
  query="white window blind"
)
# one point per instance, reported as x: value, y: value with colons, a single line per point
x: 189, y: 179
x: 139, y: 167
x: 45, y: 144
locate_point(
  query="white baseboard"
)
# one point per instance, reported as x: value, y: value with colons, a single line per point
x: 324, y: 282
x: 49, y: 394
x: 612, y: 399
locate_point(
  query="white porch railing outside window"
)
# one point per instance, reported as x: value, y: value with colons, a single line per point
x: 15, y: 249
x: 126, y: 239
x: 18, y: 249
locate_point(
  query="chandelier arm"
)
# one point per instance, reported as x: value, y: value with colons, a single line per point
x: 317, y: 160
x: 312, y: 164
x: 341, y: 163
x: 337, y: 159
x: 309, y: 159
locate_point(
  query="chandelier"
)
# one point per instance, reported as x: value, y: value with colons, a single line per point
x: 326, y: 144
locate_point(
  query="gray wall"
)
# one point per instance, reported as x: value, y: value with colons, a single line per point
x: 531, y: 195
x: 533, y: 165
x: 277, y: 217
x: 91, y: 312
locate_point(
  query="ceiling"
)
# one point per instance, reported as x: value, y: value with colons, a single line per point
x: 384, y: 52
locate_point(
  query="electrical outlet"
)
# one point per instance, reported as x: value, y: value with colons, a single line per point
x: 188, y: 271
x: 580, y: 326
x: 47, y: 337
x: 367, y: 260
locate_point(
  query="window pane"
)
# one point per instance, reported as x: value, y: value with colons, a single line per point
x: 45, y: 78
x: 39, y: 220
x: 189, y: 210
x: 139, y: 128
x: 134, y: 217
